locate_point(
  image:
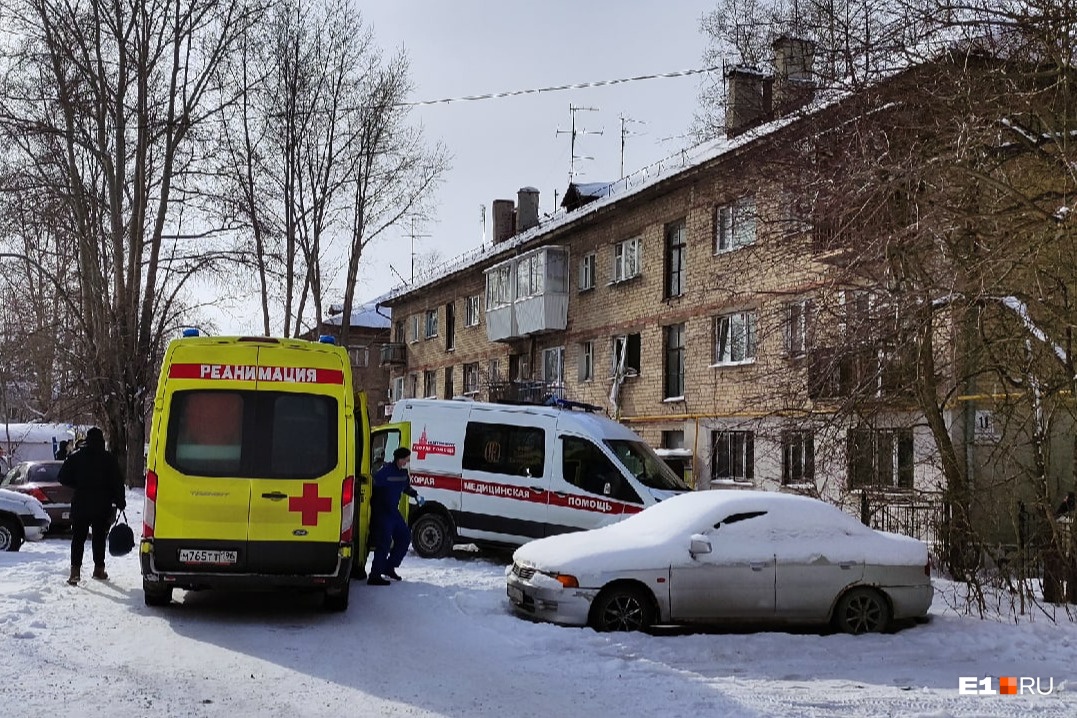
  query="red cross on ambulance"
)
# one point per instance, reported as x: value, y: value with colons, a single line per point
x: 310, y: 504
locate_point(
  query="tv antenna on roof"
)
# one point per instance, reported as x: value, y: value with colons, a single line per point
x: 414, y: 236
x: 573, y: 109
x: 625, y: 134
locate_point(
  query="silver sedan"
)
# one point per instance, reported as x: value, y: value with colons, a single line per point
x: 725, y: 556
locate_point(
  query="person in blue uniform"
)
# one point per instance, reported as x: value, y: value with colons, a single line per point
x: 389, y: 529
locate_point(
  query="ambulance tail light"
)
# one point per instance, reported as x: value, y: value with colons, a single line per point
x: 149, y: 513
x: 347, y: 509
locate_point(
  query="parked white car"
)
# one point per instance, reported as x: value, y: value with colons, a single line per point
x: 22, y: 518
x: 725, y: 556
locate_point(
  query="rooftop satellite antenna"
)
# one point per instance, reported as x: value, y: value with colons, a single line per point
x: 573, y: 109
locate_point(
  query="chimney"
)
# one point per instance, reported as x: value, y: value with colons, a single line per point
x: 747, y: 99
x: 794, y: 83
x: 527, y: 209
x: 504, y: 219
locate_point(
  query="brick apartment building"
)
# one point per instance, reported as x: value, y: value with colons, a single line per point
x: 681, y: 300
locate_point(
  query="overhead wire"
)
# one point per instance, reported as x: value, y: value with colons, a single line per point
x: 558, y: 88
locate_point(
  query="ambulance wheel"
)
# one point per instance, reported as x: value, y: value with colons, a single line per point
x: 336, y: 599
x: 432, y: 536
x: 157, y: 596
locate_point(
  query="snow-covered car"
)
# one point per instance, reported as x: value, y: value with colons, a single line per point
x: 720, y: 557
x: 22, y: 518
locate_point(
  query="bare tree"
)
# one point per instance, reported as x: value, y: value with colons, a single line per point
x: 103, y: 107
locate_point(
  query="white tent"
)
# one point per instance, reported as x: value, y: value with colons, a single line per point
x: 36, y: 441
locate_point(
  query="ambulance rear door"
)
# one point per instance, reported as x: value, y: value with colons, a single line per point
x: 300, y: 460
x: 203, y: 497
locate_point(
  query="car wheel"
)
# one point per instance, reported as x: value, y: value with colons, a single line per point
x: 10, y: 534
x: 862, y: 610
x: 336, y: 599
x: 622, y: 608
x: 431, y: 536
x: 157, y: 596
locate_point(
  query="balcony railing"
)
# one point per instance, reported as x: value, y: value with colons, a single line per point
x: 393, y: 354
x: 524, y: 392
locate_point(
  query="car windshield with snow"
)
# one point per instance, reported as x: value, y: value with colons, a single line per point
x: 725, y: 556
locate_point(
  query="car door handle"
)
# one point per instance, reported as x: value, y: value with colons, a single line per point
x: 560, y: 494
x: 757, y: 565
x: 274, y: 496
x: 537, y: 489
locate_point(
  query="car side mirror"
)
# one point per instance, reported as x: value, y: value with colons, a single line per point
x: 700, y: 545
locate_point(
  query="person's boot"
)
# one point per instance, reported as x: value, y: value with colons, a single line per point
x: 391, y: 573
x: 75, y: 576
x: 375, y: 580
x: 99, y: 572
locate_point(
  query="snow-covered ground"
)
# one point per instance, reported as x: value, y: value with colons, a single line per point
x: 444, y: 642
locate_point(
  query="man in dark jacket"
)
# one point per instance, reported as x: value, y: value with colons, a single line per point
x: 95, y: 475
x: 389, y: 530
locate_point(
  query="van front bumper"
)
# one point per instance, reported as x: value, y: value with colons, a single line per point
x: 564, y: 606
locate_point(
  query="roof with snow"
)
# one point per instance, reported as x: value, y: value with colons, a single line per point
x: 365, y: 315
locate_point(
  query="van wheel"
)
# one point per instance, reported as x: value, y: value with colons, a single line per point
x: 862, y: 610
x: 336, y: 599
x: 10, y: 534
x: 156, y: 596
x: 622, y: 608
x: 432, y: 536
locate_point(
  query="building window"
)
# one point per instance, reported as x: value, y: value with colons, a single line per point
x: 430, y: 384
x: 450, y: 390
x: 519, y: 367
x: 398, y: 389
x: 673, y: 439
x: 398, y: 331
x: 495, y: 371
x: 626, y: 355
x: 450, y: 326
x: 587, y: 272
x: 880, y: 458
x: 360, y: 356
x: 471, y: 312
x: 733, y: 456
x: 798, y: 457
x: 416, y: 325
x: 530, y: 276
x: 626, y: 259
x: 674, y: 374
x: 735, y: 225
x: 795, y: 322
x: 676, y: 259
x: 431, y: 323
x: 553, y: 365
x: 734, y: 338
x: 471, y: 378
x: 413, y: 386
x: 587, y: 361
x: 499, y: 287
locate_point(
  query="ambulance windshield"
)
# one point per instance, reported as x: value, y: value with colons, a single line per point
x: 645, y: 465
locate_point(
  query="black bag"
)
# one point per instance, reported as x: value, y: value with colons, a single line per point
x: 121, y: 539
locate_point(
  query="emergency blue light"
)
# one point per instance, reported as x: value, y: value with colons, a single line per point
x: 327, y: 339
x: 192, y: 332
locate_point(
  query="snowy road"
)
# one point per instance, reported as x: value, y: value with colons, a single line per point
x: 443, y: 642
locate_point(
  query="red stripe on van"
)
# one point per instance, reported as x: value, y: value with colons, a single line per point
x: 583, y: 502
x: 251, y: 372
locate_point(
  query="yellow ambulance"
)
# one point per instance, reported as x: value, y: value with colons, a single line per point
x: 258, y: 452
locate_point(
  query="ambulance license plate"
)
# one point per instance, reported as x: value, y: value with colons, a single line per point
x: 219, y: 558
x: 515, y: 595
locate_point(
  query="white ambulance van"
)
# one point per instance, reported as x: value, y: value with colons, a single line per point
x: 503, y: 474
